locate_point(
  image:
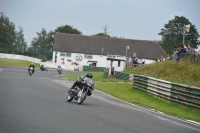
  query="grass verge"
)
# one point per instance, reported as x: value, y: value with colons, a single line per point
x: 126, y: 92
x: 20, y: 63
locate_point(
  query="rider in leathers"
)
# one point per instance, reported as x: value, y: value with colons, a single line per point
x: 31, y: 65
x: 79, y: 81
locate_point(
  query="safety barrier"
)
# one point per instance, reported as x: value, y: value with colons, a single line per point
x: 93, y: 68
x: 105, y: 74
x: 19, y: 57
x: 179, y: 93
x: 124, y: 76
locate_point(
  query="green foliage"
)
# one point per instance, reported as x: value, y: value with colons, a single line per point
x: 20, y: 45
x: 101, y: 34
x: 42, y: 45
x: 7, y: 34
x: 172, y: 34
x: 67, y: 29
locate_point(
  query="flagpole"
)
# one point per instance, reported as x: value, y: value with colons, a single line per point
x: 184, y: 34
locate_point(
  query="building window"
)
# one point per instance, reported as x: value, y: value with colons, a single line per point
x: 88, y: 56
x: 62, y: 54
x: 68, y: 54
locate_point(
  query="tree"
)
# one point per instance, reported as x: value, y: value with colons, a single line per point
x: 172, y: 34
x: 101, y: 34
x: 68, y: 29
x: 7, y: 34
x: 42, y: 45
x: 20, y: 44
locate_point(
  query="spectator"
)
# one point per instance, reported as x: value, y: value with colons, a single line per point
x: 129, y: 61
x: 185, y: 47
x: 135, y: 61
x: 180, y: 54
x: 189, y: 48
x: 197, y: 50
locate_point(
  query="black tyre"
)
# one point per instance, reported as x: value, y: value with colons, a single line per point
x: 82, y: 97
x: 69, y: 98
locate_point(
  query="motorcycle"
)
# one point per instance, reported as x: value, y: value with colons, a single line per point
x: 43, y: 68
x: 30, y: 71
x: 80, y: 92
x: 59, y: 71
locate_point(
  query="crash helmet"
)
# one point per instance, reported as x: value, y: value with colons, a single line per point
x: 89, y: 75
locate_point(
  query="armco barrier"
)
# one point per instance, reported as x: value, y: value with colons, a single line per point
x: 124, y: 76
x: 93, y: 68
x: 105, y: 74
x: 179, y: 93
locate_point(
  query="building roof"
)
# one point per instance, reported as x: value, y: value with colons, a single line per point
x: 94, y: 44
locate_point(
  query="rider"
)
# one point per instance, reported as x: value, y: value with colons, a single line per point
x: 59, y: 68
x: 42, y: 67
x: 32, y: 65
x: 79, y: 81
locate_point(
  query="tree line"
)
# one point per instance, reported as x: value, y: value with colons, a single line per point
x: 13, y: 42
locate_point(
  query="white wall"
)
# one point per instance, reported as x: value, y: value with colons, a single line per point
x: 101, y: 61
x: 20, y: 57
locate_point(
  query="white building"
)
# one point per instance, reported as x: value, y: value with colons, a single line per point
x: 75, y: 51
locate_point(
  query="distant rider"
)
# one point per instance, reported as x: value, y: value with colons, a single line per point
x: 33, y: 66
x: 79, y: 81
x: 42, y: 67
x: 59, y: 68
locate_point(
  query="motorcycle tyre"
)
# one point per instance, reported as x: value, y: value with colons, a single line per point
x: 69, y: 98
x: 82, y: 98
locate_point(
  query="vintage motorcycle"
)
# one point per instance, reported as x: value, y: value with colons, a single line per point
x: 30, y: 71
x: 43, y: 68
x: 80, y: 91
x: 59, y: 71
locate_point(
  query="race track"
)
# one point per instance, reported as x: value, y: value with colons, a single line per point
x: 38, y: 104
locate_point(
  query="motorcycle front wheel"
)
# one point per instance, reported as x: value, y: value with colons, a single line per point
x: 82, y: 97
x: 69, y: 98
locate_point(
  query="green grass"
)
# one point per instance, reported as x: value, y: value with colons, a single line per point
x: 128, y: 93
x: 20, y: 63
x: 184, y: 72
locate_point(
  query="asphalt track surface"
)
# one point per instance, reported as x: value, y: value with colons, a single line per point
x: 38, y: 104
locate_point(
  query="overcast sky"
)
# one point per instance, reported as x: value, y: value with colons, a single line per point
x: 131, y: 19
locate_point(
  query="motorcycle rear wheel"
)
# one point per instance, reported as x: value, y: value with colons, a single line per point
x: 82, y: 98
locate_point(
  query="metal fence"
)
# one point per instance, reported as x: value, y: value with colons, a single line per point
x: 179, y: 93
x: 124, y: 76
x: 93, y: 68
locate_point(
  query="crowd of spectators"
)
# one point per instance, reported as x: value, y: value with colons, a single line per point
x: 133, y: 61
x: 180, y: 52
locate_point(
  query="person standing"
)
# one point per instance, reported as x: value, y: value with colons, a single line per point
x: 197, y: 50
x: 130, y: 61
